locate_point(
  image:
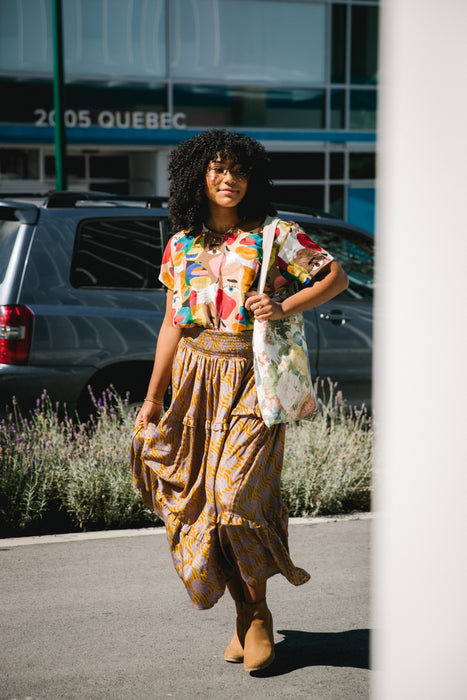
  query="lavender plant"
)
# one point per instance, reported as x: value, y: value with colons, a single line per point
x: 328, y: 461
x: 57, y: 474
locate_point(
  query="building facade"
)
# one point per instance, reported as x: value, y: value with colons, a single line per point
x: 142, y: 75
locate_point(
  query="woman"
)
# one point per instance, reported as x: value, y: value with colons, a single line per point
x: 209, y: 466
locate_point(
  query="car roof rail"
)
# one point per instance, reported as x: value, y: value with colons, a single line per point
x: 65, y: 199
x: 304, y: 209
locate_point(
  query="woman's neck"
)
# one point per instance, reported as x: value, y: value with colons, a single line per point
x: 222, y: 220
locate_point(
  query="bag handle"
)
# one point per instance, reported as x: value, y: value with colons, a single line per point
x: 269, y: 229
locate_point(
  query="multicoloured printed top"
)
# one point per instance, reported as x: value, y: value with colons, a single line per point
x: 210, y: 273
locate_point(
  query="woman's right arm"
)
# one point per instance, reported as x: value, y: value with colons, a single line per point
x: 166, y: 347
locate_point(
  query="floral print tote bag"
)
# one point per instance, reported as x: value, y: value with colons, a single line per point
x: 282, y: 373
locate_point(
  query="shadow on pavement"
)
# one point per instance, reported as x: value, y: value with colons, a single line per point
x: 302, y: 649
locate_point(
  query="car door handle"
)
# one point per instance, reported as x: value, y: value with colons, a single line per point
x: 336, y: 317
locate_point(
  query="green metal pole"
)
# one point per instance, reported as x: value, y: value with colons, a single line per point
x: 59, y: 100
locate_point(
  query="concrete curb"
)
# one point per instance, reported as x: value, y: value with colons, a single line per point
x: 137, y: 532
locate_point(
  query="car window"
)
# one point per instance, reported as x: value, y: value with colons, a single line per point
x: 353, y: 252
x: 8, y: 232
x: 117, y: 253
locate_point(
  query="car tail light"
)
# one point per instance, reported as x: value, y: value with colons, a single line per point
x: 15, y: 334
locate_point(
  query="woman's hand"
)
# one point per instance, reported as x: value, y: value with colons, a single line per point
x: 167, y: 341
x: 148, y: 413
x: 263, y: 307
x: 323, y: 289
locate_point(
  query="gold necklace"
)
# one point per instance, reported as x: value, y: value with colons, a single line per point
x: 227, y: 231
x: 213, y: 239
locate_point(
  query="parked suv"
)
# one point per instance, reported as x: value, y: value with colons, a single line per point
x: 81, y: 303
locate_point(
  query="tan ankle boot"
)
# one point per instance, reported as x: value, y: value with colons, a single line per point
x: 234, y: 651
x: 259, y: 636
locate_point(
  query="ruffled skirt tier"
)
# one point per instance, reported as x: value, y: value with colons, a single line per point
x: 211, y: 469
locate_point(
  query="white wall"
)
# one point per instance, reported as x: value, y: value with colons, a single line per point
x: 420, y: 549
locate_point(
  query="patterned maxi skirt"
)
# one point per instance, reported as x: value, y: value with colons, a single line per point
x: 211, y: 470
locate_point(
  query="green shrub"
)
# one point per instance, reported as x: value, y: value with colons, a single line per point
x: 59, y: 475
x: 328, y: 461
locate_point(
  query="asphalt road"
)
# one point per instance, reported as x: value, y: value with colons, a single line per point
x: 105, y: 617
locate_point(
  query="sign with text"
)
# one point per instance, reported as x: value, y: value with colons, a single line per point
x: 112, y: 119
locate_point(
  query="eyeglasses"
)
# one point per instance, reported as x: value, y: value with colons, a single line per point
x: 236, y: 171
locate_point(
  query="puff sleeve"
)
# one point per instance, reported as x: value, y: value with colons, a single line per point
x: 298, y: 256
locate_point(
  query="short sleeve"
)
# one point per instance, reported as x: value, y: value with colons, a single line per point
x: 298, y: 256
x: 166, y: 274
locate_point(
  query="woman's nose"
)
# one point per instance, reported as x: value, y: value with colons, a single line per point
x: 230, y: 177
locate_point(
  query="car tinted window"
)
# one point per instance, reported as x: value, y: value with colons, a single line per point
x: 8, y: 231
x: 117, y: 253
x: 353, y: 252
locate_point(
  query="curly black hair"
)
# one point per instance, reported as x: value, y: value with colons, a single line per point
x: 188, y: 163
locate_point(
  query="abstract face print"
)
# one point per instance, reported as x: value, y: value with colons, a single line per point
x: 210, y: 275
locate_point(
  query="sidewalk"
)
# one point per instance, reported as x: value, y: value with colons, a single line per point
x: 104, y: 617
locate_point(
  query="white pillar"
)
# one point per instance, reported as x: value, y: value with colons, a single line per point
x: 420, y: 548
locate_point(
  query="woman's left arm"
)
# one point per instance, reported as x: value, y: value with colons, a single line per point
x: 323, y: 289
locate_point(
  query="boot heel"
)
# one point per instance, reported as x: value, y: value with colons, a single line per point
x: 234, y: 651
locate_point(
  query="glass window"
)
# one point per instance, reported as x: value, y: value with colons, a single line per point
x: 336, y: 201
x: 115, y: 37
x: 241, y: 40
x: 363, y: 109
x: 101, y: 37
x: 19, y: 163
x: 337, y: 109
x: 32, y: 101
x: 75, y: 166
x: 338, y: 45
x: 311, y: 196
x: 26, y: 37
x: 362, y: 166
x: 124, y: 98
x: 364, y: 46
x: 117, y: 254
x: 297, y: 166
x: 109, y: 166
x: 8, y: 234
x: 216, y: 105
x: 337, y: 166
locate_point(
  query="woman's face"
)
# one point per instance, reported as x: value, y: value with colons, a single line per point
x: 226, y: 182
